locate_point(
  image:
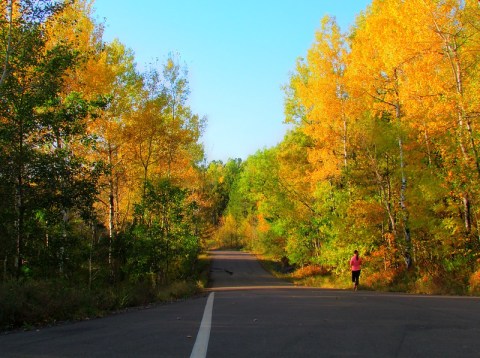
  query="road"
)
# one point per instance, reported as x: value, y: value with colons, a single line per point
x: 255, y: 315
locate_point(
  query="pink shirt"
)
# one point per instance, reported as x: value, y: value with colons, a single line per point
x: 355, y: 264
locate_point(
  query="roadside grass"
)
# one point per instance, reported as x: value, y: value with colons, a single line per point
x: 26, y: 304
x: 400, y: 281
x: 309, y: 276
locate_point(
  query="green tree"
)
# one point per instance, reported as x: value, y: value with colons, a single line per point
x: 38, y: 130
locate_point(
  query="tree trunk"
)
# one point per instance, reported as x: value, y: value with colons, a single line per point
x: 20, y: 229
x: 405, y: 213
x: 90, y: 275
x: 19, y: 206
x: 111, y: 211
x: 403, y: 186
x: 344, y: 140
x: 467, y: 212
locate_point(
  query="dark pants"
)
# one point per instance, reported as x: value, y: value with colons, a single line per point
x: 355, y: 276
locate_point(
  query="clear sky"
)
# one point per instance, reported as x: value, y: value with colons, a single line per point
x: 238, y: 53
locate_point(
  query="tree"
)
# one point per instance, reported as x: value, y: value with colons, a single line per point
x: 320, y: 89
x: 38, y: 130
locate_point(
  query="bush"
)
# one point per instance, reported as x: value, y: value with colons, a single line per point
x: 379, y: 280
x: 475, y: 283
x: 310, y: 270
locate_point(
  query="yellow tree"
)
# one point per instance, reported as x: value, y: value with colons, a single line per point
x: 415, y: 64
x: 107, y: 72
x: 448, y: 91
x: 319, y: 102
x: 376, y: 75
x: 446, y: 96
x: 145, y: 132
x: 320, y: 90
x: 74, y: 26
x: 183, y: 127
x: 163, y: 133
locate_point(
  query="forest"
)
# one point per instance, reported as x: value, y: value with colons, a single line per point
x: 104, y: 198
x: 107, y: 198
x: 383, y: 156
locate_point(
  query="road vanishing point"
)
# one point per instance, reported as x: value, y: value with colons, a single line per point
x: 248, y: 313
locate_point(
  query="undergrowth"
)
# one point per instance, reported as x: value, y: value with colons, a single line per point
x: 32, y: 303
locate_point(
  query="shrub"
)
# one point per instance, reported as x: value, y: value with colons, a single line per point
x: 29, y: 303
x: 310, y: 270
x: 379, y: 280
x: 475, y: 283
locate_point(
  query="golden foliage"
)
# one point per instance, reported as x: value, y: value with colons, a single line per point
x: 474, y: 282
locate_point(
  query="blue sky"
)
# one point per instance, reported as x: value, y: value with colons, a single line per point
x: 239, y: 54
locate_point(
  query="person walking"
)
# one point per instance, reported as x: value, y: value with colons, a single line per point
x: 356, y: 266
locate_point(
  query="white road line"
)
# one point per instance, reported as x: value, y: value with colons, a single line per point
x: 203, y: 336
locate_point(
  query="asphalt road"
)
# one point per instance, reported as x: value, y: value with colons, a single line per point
x: 256, y: 315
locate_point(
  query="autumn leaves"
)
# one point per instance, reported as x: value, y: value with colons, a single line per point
x: 384, y: 154
x: 93, y: 151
